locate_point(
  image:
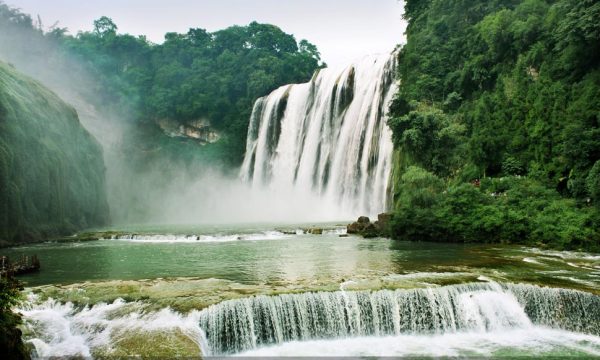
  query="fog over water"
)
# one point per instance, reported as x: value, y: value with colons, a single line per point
x: 184, y: 193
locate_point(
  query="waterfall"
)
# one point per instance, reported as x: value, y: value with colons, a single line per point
x: 239, y: 325
x: 327, y: 138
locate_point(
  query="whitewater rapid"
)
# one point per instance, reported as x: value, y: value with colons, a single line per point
x: 462, y: 320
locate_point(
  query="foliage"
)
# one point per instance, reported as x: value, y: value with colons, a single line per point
x: 504, y: 88
x: 51, y: 169
x: 503, y: 210
x: 593, y: 183
x: 213, y: 77
x: 10, y: 336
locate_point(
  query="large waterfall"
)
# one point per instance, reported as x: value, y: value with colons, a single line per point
x: 327, y: 138
x: 239, y: 325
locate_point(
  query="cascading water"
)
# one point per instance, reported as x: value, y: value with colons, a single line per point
x: 327, y: 138
x: 487, y: 314
x: 240, y: 325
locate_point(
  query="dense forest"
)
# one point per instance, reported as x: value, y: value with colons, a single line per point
x: 497, y: 123
x: 51, y: 168
x: 211, y: 78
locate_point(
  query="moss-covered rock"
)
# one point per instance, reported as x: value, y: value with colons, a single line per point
x: 52, y: 178
x: 363, y: 226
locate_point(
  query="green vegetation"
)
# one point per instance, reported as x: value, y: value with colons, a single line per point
x: 137, y: 98
x: 213, y: 78
x: 51, y: 168
x: 506, y: 92
x: 10, y: 336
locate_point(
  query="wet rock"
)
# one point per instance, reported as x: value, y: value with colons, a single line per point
x: 354, y: 228
x: 384, y: 219
x: 364, y: 220
x: 315, y: 231
x: 363, y: 226
x: 370, y: 232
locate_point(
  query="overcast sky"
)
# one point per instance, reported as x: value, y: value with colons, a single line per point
x: 343, y: 30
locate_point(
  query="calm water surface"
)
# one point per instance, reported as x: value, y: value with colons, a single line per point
x: 269, y: 254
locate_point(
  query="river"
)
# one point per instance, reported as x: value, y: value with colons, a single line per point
x: 206, y: 290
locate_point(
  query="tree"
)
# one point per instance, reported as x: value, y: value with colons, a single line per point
x: 104, y: 27
x: 593, y: 183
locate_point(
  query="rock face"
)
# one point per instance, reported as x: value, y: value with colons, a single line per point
x: 52, y: 174
x: 363, y: 226
x: 199, y: 130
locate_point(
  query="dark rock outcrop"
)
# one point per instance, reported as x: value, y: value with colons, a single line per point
x: 363, y: 226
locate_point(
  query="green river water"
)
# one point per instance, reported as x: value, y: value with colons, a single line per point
x: 148, y: 275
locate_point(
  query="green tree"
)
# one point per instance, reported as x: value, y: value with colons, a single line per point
x: 104, y: 27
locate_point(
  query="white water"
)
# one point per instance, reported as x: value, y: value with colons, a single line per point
x: 174, y: 238
x: 470, y: 319
x: 524, y: 342
x: 63, y: 330
x: 220, y: 238
x: 327, y: 140
x: 241, y: 325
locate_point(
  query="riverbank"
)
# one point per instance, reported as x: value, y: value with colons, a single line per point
x: 508, y: 210
x: 11, y: 342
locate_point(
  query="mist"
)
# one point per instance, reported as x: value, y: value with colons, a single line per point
x: 134, y: 196
x: 217, y: 198
x: 166, y: 191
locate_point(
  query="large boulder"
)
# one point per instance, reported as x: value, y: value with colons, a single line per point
x: 363, y: 226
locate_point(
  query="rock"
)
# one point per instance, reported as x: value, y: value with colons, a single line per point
x: 316, y: 231
x: 354, y: 228
x: 383, y: 223
x: 370, y: 232
x: 359, y: 226
x: 364, y: 227
x: 384, y: 218
x: 344, y: 235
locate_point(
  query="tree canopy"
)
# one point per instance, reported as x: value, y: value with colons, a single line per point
x: 504, y: 88
x: 215, y: 77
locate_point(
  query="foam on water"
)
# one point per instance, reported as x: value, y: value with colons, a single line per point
x: 216, y: 238
x: 469, y: 319
x: 64, y: 330
x: 241, y: 325
x: 531, y: 341
x: 565, y: 255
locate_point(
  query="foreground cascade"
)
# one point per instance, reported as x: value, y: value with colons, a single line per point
x: 239, y: 325
x: 328, y: 137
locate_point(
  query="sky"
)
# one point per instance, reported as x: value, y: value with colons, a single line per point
x: 343, y: 30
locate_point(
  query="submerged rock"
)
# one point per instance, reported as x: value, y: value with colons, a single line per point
x: 315, y: 231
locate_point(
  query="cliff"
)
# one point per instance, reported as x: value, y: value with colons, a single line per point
x: 52, y: 178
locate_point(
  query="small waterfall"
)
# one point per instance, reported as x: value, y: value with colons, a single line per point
x: 327, y: 138
x: 240, y: 325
